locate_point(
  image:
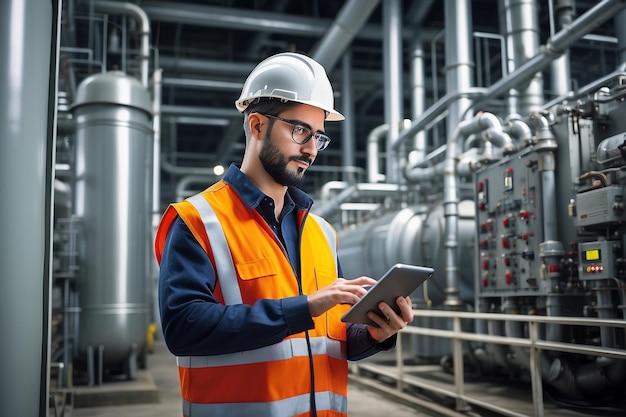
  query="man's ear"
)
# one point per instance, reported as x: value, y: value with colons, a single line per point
x: 255, y: 124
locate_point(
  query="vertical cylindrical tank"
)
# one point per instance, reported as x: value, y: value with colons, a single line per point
x: 113, y: 197
x: 28, y: 51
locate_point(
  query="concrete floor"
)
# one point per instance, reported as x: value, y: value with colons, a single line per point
x: 162, y: 376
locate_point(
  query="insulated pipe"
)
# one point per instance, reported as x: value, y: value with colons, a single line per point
x: 451, y: 200
x: 493, y: 132
x: 347, y: 127
x: 459, y: 56
x: 517, y: 129
x: 29, y: 48
x: 553, y: 48
x: 557, y: 44
x: 258, y: 20
x: 373, y: 139
x: 522, y: 35
x: 606, y: 310
x: 210, y: 67
x: 434, y: 111
x: 351, y: 191
x: 546, y: 144
x: 177, y: 170
x: 560, y: 76
x: 418, y: 97
x: 392, y: 68
x: 352, y: 16
x: 521, y: 355
x: 213, y: 85
x: 157, y: 85
x: 620, y: 30
x: 419, y: 174
x: 153, y: 275
x: 136, y: 12
x: 590, y: 88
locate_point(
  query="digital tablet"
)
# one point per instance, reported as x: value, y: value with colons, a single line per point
x: 400, y: 280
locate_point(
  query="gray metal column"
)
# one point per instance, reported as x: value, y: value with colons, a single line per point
x: 560, y: 76
x: 521, y: 29
x: 28, y: 51
x: 418, y: 96
x: 348, y: 158
x: 459, y: 57
x: 392, y: 65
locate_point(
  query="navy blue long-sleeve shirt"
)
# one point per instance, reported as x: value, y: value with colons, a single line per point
x: 193, y: 321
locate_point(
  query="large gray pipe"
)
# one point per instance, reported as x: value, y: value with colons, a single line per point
x: 352, y: 16
x: 561, y: 79
x: 521, y: 29
x: 29, y: 50
x: 392, y: 65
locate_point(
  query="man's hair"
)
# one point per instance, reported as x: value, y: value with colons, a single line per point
x: 266, y: 105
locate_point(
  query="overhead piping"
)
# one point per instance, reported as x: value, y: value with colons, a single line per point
x: 344, y: 29
x: 258, y: 20
x: 557, y: 44
x: 136, y: 12
x: 554, y: 48
x: 373, y: 140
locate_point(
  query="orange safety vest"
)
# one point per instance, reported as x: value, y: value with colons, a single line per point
x: 269, y: 381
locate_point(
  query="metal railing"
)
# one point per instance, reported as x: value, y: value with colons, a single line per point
x: 534, y: 343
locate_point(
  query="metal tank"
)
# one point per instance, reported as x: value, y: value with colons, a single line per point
x: 414, y: 235
x: 113, y: 197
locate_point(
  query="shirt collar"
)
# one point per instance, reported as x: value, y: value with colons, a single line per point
x: 252, y: 196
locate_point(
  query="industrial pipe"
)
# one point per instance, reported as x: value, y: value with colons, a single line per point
x: 138, y: 13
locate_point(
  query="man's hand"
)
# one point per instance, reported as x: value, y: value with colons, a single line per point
x: 391, y: 323
x: 342, y: 291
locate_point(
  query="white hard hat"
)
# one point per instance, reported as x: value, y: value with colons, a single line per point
x: 290, y: 76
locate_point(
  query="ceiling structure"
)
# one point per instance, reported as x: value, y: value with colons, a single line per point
x: 206, y: 48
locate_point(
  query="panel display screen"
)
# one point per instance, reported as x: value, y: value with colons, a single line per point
x: 592, y: 255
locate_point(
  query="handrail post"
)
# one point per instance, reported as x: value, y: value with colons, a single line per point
x: 400, y: 363
x: 535, y: 368
x: 461, y: 404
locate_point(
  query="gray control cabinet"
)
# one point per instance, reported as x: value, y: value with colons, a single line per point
x: 508, y: 233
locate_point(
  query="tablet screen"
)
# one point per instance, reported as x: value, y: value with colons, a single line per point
x: 399, y: 280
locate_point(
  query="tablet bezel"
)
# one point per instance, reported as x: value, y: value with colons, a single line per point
x: 399, y: 280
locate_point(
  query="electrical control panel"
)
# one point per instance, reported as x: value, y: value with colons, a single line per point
x: 509, y: 219
x: 597, y: 259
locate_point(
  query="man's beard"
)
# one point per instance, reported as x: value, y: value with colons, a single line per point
x: 275, y: 164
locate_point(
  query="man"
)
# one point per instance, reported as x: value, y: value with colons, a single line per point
x: 249, y: 292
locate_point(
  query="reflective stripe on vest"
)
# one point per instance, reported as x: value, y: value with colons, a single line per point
x: 221, y: 253
x: 286, y: 349
x: 283, y: 408
x: 329, y: 233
